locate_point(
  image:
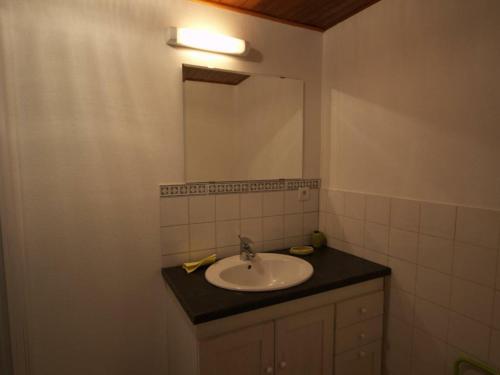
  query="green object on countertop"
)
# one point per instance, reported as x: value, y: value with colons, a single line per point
x: 318, y: 239
x: 474, y: 363
x: 193, y: 266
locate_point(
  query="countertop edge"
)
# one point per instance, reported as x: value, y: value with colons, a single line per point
x: 277, y: 300
x: 269, y: 300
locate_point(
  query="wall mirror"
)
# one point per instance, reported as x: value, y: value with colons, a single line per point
x: 241, y: 126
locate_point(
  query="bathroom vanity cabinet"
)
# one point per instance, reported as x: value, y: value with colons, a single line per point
x: 336, y: 332
x: 330, y: 325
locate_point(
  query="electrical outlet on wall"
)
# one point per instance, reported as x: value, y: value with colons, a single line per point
x: 304, y: 194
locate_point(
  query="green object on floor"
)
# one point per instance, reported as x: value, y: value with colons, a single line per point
x: 477, y: 364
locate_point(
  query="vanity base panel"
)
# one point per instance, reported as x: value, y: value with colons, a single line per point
x: 248, y: 351
x: 298, y: 334
x: 304, y: 342
x: 358, y: 334
x: 365, y: 360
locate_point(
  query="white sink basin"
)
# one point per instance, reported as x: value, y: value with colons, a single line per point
x: 267, y: 271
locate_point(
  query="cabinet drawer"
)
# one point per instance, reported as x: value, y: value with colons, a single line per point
x: 359, y: 309
x: 366, y: 360
x: 358, y: 334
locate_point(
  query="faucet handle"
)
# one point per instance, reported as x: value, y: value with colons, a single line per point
x: 246, y: 252
x: 245, y: 240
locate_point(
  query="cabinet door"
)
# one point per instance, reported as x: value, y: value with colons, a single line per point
x: 248, y: 351
x: 304, y: 343
x: 365, y: 360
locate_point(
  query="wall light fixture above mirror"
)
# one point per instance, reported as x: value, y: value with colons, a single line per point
x: 206, y: 40
x: 241, y: 126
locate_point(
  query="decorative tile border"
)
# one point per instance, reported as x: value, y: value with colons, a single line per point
x: 228, y: 187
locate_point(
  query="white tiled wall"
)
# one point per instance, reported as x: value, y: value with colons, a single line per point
x: 196, y: 226
x: 445, y: 288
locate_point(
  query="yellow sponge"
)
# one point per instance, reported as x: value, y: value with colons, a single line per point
x: 193, y: 266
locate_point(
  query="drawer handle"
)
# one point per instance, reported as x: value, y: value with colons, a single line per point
x: 363, y: 310
x: 362, y: 354
x: 362, y: 336
x: 269, y: 370
x: 282, y: 364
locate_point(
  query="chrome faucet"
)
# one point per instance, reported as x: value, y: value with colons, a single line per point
x: 246, y: 252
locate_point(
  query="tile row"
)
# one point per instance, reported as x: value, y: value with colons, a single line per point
x: 475, y: 226
x: 200, y: 236
x: 377, y: 230
x: 211, y: 208
x: 473, y: 263
x: 169, y: 260
x: 194, y: 226
x: 475, y: 301
x: 229, y: 187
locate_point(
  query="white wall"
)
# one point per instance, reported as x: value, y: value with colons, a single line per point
x: 411, y: 98
x: 95, y: 97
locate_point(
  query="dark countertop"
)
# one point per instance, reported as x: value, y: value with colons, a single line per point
x: 203, y: 301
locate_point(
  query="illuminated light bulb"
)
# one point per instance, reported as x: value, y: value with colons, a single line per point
x: 207, y: 41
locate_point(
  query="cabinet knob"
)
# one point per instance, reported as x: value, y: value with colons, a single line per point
x: 269, y: 370
x: 363, y: 310
x: 282, y: 364
x: 362, y: 336
x: 362, y: 354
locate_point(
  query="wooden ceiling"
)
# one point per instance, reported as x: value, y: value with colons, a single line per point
x: 312, y: 14
x: 201, y: 74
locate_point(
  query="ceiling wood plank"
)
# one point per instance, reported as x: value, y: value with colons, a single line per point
x: 257, y: 14
x: 317, y: 15
x: 352, y: 11
x: 336, y: 13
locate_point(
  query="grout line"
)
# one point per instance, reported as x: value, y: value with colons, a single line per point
x: 234, y: 219
x: 448, y: 328
x: 448, y: 308
x: 455, y: 224
x: 492, y: 312
x: 283, y: 218
x: 413, y: 199
x: 412, y: 346
x: 239, y: 214
x: 416, y: 281
x: 389, y: 231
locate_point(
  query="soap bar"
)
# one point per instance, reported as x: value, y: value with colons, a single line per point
x: 301, y: 250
